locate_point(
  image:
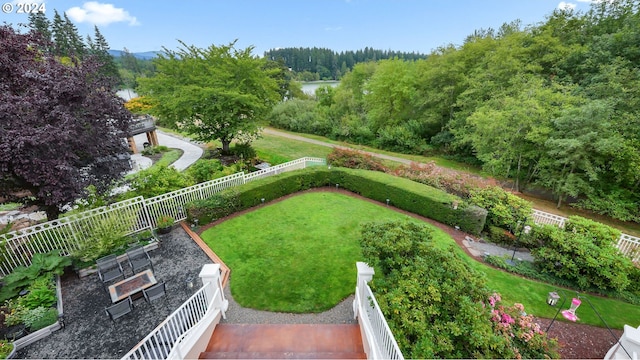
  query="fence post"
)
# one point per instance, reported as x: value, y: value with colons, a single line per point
x: 210, y: 276
x: 365, y: 274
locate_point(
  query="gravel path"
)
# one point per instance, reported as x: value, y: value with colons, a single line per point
x: 340, y: 314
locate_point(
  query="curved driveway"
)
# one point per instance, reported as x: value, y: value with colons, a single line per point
x: 190, y: 151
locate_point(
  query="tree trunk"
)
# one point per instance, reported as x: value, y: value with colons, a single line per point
x: 225, y: 146
x: 52, y: 212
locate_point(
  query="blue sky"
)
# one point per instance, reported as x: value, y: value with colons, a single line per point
x: 401, y: 25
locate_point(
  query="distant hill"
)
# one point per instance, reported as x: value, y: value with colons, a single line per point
x: 147, y: 55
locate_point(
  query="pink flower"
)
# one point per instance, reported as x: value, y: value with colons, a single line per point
x: 506, y: 318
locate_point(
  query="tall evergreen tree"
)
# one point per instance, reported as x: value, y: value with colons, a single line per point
x: 61, y: 44
x: 77, y: 46
x: 38, y: 22
x: 100, y: 49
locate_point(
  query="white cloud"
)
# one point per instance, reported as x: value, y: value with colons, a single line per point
x: 100, y: 14
x: 336, y: 28
x: 566, y: 6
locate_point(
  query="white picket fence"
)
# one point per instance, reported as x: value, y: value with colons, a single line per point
x: 627, y: 244
x: 377, y: 339
x: 67, y: 233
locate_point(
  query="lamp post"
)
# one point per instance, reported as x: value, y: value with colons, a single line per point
x: 526, y: 229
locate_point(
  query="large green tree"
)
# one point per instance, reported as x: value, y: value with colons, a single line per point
x: 218, y: 93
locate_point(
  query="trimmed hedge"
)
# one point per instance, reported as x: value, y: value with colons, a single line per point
x: 402, y: 193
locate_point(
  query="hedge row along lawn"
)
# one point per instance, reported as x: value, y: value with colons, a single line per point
x: 299, y: 256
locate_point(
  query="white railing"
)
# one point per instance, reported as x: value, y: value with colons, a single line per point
x: 627, y: 244
x: 161, y: 341
x: 174, y: 337
x: 543, y: 218
x: 65, y: 234
x: 377, y: 338
x: 291, y: 165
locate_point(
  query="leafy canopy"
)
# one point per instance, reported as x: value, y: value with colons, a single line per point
x: 217, y: 93
x: 62, y: 128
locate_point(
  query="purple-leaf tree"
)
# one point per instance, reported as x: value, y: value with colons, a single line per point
x: 62, y: 127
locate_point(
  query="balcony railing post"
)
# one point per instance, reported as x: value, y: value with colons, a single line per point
x: 365, y: 274
x: 210, y: 275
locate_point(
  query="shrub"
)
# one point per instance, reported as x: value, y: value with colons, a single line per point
x: 139, y: 105
x: 152, y: 150
x: 205, y: 170
x: 525, y: 337
x: 40, y: 317
x: 431, y: 298
x: 41, y: 293
x: 505, y: 210
x: 354, y: 159
x: 6, y: 347
x: 104, y: 236
x: 15, y: 314
x: 582, y: 254
x: 244, y: 151
x: 155, y: 181
x: 448, y: 180
x: 392, y: 245
x: 300, y: 116
x: 400, y: 138
x: 164, y: 221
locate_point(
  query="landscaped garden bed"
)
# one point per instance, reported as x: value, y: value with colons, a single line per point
x: 32, y: 300
x: 87, y: 266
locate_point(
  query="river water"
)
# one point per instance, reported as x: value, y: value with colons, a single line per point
x: 308, y: 88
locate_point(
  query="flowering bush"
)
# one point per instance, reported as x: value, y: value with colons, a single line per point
x: 139, y: 105
x: 355, y: 159
x: 525, y: 337
x: 451, y: 181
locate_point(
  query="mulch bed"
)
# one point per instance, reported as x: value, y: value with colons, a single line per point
x: 577, y: 341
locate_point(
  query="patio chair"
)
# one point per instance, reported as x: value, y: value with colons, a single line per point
x: 120, y: 309
x: 109, y: 268
x: 138, y: 258
x: 155, y: 292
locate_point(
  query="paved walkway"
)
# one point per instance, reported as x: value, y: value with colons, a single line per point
x: 190, y: 151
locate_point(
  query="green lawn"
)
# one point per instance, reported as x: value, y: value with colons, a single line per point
x: 278, y: 150
x: 169, y: 157
x: 299, y: 255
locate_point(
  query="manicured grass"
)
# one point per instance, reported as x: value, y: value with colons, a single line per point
x: 278, y: 150
x: 169, y: 157
x: 297, y: 255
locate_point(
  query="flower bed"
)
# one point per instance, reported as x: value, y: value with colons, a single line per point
x: 41, y: 323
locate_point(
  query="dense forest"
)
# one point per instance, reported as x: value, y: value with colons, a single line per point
x: 309, y: 64
x: 554, y: 105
